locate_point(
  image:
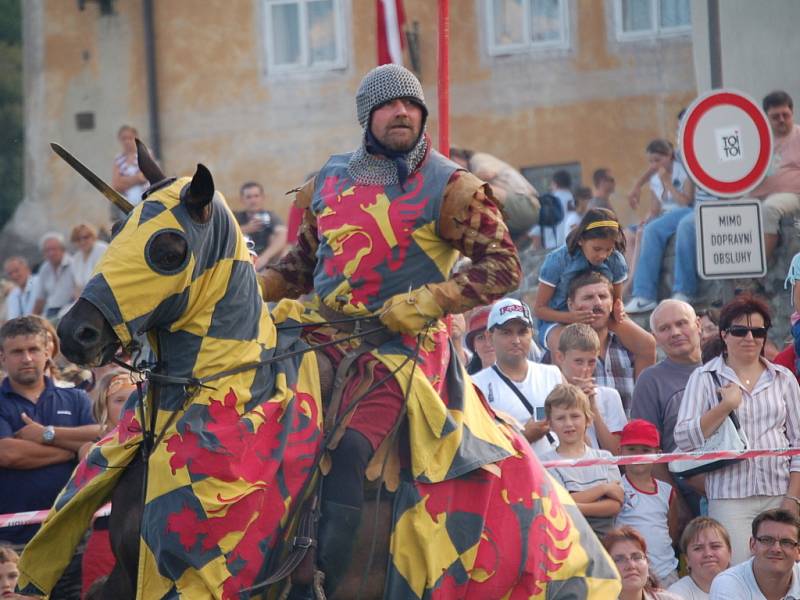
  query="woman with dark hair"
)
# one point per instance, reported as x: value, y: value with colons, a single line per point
x: 766, y: 400
x: 628, y: 550
x: 478, y: 341
x: 709, y: 324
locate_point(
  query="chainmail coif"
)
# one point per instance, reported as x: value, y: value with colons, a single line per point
x: 380, y: 85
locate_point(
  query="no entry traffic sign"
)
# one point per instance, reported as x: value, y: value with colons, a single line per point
x: 726, y: 143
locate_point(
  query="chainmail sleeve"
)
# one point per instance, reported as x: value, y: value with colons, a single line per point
x: 293, y: 275
x: 470, y: 220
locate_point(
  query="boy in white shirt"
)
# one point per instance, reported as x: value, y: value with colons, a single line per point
x: 596, y: 489
x: 576, y: 356
x: 649, y: 505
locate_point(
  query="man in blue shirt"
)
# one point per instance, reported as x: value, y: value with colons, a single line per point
x: 41, y: 428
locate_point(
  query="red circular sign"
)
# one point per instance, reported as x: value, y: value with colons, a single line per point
x: 699, y: 173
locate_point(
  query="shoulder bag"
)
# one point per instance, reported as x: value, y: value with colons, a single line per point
x: 728, y: 436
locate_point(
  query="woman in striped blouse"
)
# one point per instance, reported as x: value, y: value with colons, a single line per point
x: 766, y: 399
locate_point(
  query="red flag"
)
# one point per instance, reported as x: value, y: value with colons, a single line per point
x: 391, y: 19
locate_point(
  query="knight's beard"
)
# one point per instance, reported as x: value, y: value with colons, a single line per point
x: 399, y: 146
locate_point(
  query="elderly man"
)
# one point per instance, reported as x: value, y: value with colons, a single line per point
x: 659, y: 389
x: 20, y: 300
x: 55, y: 286
x: 382, y: 228
x: 781, y: 189
x: 774, y: 570
x: 617, y: 366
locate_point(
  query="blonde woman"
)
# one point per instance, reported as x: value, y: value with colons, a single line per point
x: 89, y: 250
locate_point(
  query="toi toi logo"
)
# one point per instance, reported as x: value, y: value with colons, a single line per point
x: 729, y: 143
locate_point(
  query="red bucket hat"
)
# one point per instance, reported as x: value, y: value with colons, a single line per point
x: 477, y: 324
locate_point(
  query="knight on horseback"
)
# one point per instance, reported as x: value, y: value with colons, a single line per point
x: 214, y: 460
x: 381, y: 231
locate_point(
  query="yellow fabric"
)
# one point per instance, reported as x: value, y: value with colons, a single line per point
x: 410, y: 312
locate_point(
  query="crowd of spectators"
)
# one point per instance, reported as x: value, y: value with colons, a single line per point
x: 613, y: 398
x: 577, y: 375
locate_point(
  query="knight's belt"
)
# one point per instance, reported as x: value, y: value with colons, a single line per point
x: 345, y: 324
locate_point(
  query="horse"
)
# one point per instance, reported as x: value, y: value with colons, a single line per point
x: 208, y: 471
x: 210, y: 506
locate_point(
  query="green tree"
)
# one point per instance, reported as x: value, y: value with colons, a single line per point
x: 11, y: 129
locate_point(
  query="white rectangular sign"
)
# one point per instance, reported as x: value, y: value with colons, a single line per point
x: 730, y: 240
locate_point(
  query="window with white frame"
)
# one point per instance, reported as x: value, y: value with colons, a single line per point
x: 515, y: 26
x: 637, y: 19
x: 304, y: 35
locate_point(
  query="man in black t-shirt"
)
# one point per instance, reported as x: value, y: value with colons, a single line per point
x: 266, y: 229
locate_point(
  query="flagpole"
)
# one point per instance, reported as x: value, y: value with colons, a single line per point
x: 444, y: 77
x: 444, y: 93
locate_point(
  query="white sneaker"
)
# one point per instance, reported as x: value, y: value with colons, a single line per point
x: 682, y: 297
x: 640, y: 305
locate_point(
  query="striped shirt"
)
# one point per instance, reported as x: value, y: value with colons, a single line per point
x: 770, y: 418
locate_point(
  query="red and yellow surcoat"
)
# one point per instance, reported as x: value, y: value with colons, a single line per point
x: 361, y: 244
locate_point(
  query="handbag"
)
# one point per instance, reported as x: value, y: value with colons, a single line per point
x: 728, y: 436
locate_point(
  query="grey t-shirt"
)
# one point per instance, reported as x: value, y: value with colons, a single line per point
x: 578, y: 479
x: 657, y: 397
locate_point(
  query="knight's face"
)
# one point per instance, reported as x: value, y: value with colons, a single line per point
x: 397, y: 124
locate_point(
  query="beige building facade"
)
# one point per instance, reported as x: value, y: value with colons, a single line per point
x: 264, y: 89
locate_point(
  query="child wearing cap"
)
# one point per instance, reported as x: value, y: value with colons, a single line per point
x: 649, y: 504
x: 596, y: 489
x: 578, y: 349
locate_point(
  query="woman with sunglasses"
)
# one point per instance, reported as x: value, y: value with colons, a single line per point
x: 628, y: 550
x: 766, y: 400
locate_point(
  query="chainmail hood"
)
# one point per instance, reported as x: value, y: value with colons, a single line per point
x: 380, y: 85
x: 385, y: 83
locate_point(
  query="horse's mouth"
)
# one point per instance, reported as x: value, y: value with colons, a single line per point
x: 108, y: 352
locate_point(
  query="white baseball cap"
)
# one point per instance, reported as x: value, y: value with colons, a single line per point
x: 507, y: 309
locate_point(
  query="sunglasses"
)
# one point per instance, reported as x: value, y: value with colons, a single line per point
x: 741, y: 331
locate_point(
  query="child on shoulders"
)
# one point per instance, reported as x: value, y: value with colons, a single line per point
x: 596, y: 244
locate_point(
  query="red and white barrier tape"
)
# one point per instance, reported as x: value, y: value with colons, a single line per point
x: 34, y: 517
x: 37, y: 516
x: 644, y: 459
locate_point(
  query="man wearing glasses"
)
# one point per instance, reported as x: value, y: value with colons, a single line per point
x: 773, y: 572
x: 781, y: 189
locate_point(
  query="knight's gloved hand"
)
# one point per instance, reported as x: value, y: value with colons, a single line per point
x: 410, y: 312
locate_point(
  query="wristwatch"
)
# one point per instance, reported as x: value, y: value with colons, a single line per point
x: 48, y: 435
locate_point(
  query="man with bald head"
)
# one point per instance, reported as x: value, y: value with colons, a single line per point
x: 658, y: 392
